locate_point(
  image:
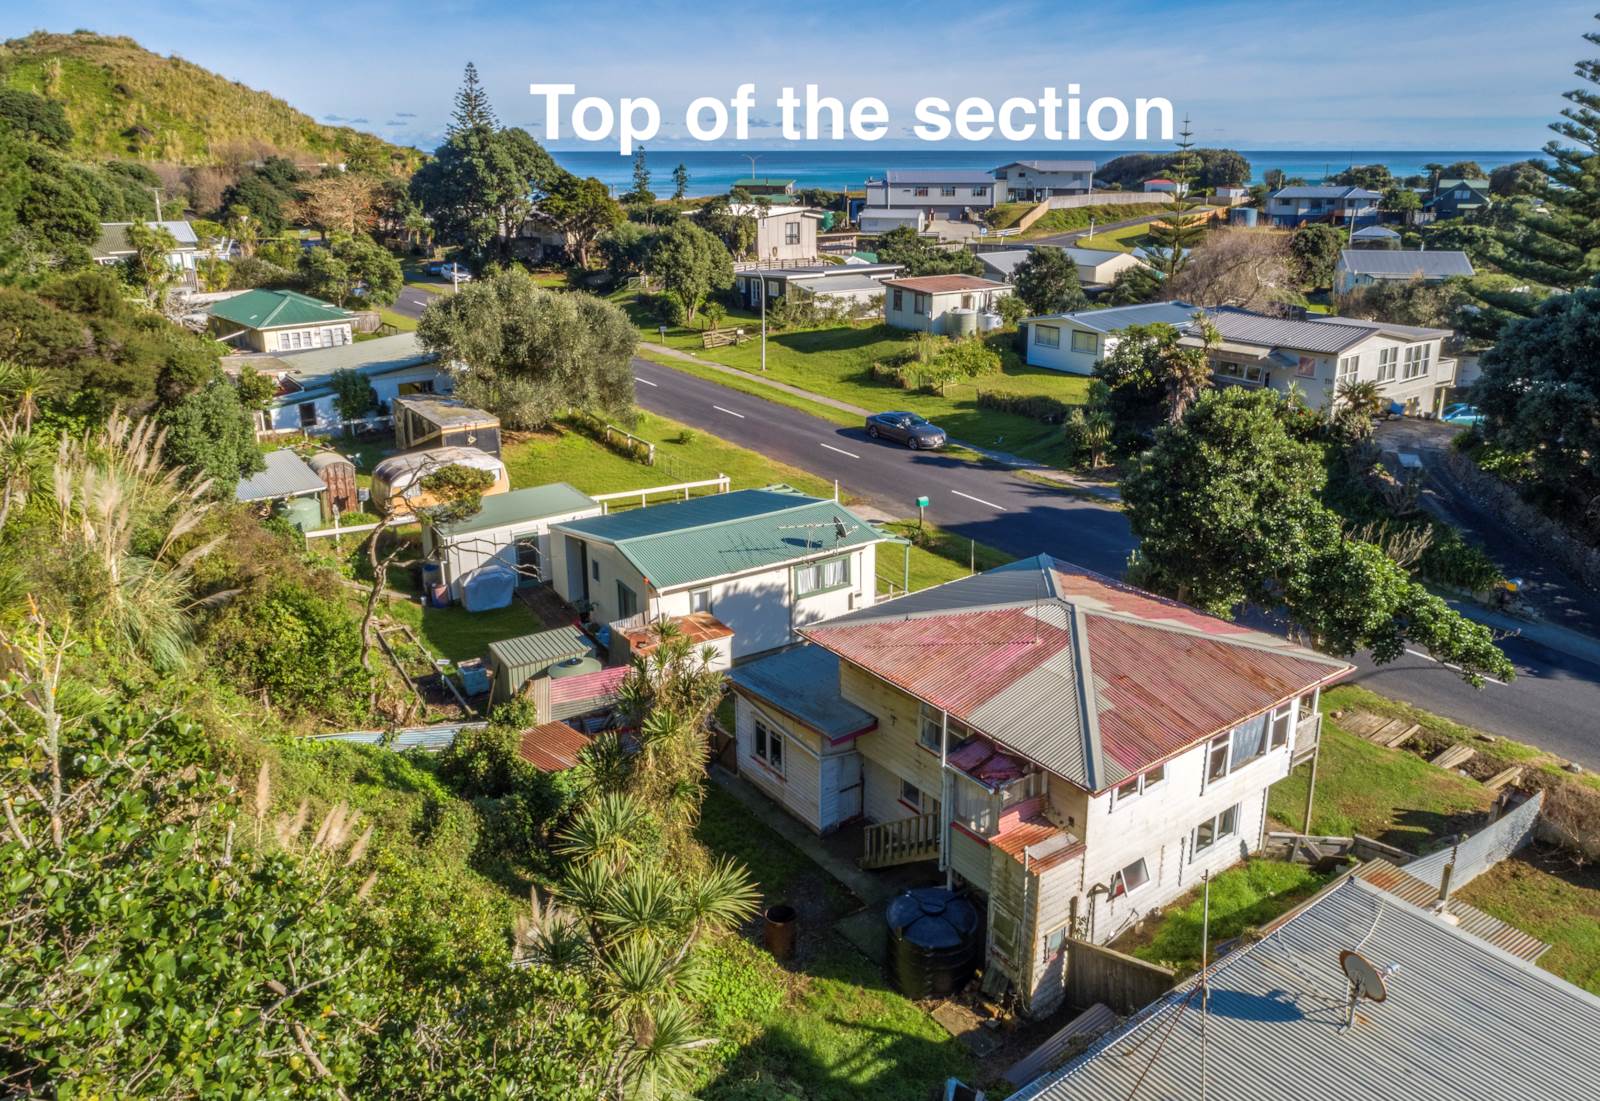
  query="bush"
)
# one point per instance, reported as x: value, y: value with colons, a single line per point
x: 1451, y: 560
x: 1039, y: 407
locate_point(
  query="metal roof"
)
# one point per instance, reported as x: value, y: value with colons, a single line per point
x: 315, y: 368
x: 552, y: 746
x: 1004, y: 261
x: 1407, y: 263
x: 520, y: 506
x: 1243, y: 327
x: 113, y: 241
x: 838, y: 284
x: 944, y: 284
x: 540, y: 650
x: 1375, y: 233
x: 1326, y: 192
x: 444, y: 412
x: 726, y: 533
x: 1408, y: 885
x: 286, y: 475
x: 264, y: 309
x: 804, y: 682
x: 974, y: 176
x: 1050, y: 166
x: 1087, y: 677
x: 1120, y: 317
x: 890, y: 213
x: 1462, y: 1019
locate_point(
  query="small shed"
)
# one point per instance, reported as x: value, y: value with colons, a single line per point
x: 422, y: 420
x: 513, y: 662
x: 702, y: 629
x: 552, y: 746
x: 395, y: 480
x: 339, y: 475
x: 511, y: 530
x: 286, y: 475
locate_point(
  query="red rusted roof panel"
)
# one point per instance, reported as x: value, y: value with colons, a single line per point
x: 552, y: 747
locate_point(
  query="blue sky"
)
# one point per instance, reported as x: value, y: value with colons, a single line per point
x: 1470, y: 74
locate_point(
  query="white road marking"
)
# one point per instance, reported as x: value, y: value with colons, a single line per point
x: 1447, y: 665
x: 730, y: 412
x: 841, y: 450
x: 646, y: 381
x: 980, y: 500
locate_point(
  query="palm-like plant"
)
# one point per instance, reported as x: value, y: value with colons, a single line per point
x: 24, y: 459
x: 22, y: 385
x: 641, y: 905
x: 658, y: 1063
x: 607, y: 831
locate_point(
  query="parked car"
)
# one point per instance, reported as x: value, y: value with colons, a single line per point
x: 455, y: 272
x: 1461, y: 413
x: 435, y: 266
x: 907, y: 428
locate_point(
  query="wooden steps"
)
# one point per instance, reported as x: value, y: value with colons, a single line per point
x: 902, y: 841
x: 1389, y: 733
x: 1454, y: 757
x: 1502, y: 778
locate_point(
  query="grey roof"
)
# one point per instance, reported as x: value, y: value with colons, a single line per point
x: 113, y: 241
x: 1120, y: 317
x: 1375, y: 233
x: 521, y: 506
x: 541, y: 650
x: 1463, y: 1019
x: 973, y: 176
x: 1004, y: 261
x: 823, y: 271
x: 1050, y: 166
x: 314, y: 369
x: 898, y: 213
x: 830, y: 284
x: 286, y: 475
x: 1326, y: 192
x: 803, y: 682
x: 1238, y: 326
x: 1407, y: 263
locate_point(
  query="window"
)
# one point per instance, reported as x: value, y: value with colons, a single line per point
x: 1416, y: 360
x: 768, y: 748
x: 823, y: 576
x: 1231, y: 751
x: 791, y: 233
x: 594, y: 569
x: 627, y: 602
x: 1306, y: 367
x: 920, y: 192
x: 699, y: 600
x: 1349, y: 368
x: 921, y: 303
x: 948, y: 190
x: 1047, y: 336
x: 1214, y: 829
x: 1135, y: 786
x: 928, y: 735
x: 1085, y: 342
x: 1279, y: 726
x: 308, y: 414
x: 910, y: 794
x: 899, y: 299
x: 1055, y: 941
x: 981, y: 191
x: 1130, y: 879
x: 1387, y: 358
x: 1217, y: 758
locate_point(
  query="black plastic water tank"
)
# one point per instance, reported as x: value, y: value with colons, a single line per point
x: 935, y: 938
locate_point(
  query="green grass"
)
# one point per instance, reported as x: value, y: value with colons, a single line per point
x: 1125, y: 239
x: 1006, y: 215
x: 1246, y: 896
x: 1076, y: 218
x: 937, y: 556
x: 400, y: 321
x: 1552, y: 900
x: 458, y: 634
x: 1391, y: 795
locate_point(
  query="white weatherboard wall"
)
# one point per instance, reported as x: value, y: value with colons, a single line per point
x: 462, y: 555
x: 814, y: 772
x: 1063, y: 357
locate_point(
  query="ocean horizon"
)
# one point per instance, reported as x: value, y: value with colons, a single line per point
x: 712, y: 171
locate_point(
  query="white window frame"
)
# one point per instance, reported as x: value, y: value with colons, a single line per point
x: 810, y: 578
x: 766, y: 746
x: 1085, y: 343
x: 921, y: 303
x: 700, y: 600
x: 1349, y: 369
x: 1417, y: 359
x: 1226, y: 746
x: 1135, y: 786
x: 1280, y: 725
x: 1224, y: 824
x: 1388, y: 363
x: 791, y: 233
x: 947, y: 191
x: 1047, y: 336
x: 1130, y: 878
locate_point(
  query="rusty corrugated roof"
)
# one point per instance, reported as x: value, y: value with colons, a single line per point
x: 552, y: 747
x: 1092, y: 679
x: 1469, y: 919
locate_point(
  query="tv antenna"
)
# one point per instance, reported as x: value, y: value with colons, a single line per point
x: 841, y: 531
x: 1366, y: 982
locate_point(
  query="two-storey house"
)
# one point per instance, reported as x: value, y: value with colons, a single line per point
x: 1035, y: 181
x: 1348, y: 206
x: 939, y: 193
x: 1074, y: 751
x: 784, y: 234
x: 1455, y: 198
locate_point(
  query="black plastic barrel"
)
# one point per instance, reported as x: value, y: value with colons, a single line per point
x: 935, y: 940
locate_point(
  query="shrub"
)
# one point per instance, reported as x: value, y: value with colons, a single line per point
x: 1039, y: 407
x: 1451, y: 560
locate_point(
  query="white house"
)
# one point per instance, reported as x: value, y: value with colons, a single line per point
x: 1075, y: 752
x: 511, y: 531
x: 941, y: 303
x: 1035, y: 181
x: 940, y: 193
x: 763, y: 561
x: 1360, y: 267
x: 1096, y: 267
x: 1160, y: 185
x: 395, y: 366
x: 113, y: 247
x: 1313, y: 355
x: 850, y: 282
x: 884, y: 219
x: 783, y: 233
x: 279, y: 321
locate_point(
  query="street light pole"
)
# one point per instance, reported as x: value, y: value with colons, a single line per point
x: 752, y: 159
x: 762, y: 277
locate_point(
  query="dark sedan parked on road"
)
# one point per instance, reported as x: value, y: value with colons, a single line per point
x: 906, y: 428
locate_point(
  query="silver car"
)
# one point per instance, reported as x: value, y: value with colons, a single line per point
x: 907, y: 428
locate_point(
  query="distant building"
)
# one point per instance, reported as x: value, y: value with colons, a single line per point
x: 1347, y: 206
x: 783, y: 233
x: 1375, y: 237
x: 113, y: 246
x: 1035, y: 181
x: 396, y: 366
x: 1359, y: 267
x: 930, y: 303
x: 764, y: 185
x: 1096, y: 267
x: 1455, y: 198
x: 1160, y: 185
x: 279, y: 321
x: 940, y: 193
x: 847, y: 282
x: 884, y: 219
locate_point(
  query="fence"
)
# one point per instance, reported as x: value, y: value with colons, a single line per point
x: 1126, y: 984
x: 719, y: 484
x: 1484, y: 849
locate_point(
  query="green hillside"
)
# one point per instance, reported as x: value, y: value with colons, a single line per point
x: 125, y: 102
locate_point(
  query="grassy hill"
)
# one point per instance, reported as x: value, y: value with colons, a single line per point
x: 125, y: 102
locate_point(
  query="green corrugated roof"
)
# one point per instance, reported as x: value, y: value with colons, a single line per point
x: 727, y: 533
x: 501, y: 509
x: 263, y: 309
x: 538, y: 651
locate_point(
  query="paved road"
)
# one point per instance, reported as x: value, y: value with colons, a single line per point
x: 1070, y: 240
x: 1553, y: 703
x: 412, y: 301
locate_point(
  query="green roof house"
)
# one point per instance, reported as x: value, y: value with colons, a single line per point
x: 763, y: 561
x: 280, y: 321
x: 511, y: 531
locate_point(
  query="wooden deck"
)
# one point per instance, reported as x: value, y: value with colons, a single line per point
x: 902, y: 841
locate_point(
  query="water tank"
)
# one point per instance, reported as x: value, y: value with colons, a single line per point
x: 304, y: 513
x: 989, y: 322
x: 1243, y: 216
x: 574, y: 667
x: 961, y: 322
x: 935, y: 939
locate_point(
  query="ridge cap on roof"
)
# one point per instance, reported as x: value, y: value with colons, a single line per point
x: 806, y: 503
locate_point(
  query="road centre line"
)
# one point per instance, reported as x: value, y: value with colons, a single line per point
x: 730, y: 412
x: 980, y: 500
x: 1447, y: 665
x: 646, y: 381
x: 840, y: 450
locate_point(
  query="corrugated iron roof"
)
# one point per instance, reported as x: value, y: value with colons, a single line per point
x: 552, y: 747
x: 571, y: 696
x: 1469, y: 919
x: 803, y: 681
x: 520, y: 506
x: 944, y: 284
x: 264, y: 309
x: 541, y: 649
x: 1406, y: 263
x: 286, y: 475
x: 1462, y: 1019
x: 1087, y: 677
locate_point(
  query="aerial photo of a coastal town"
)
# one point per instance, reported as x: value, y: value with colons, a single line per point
x: 1043, y: 551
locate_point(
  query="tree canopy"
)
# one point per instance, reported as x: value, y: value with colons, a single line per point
x: 923, y: 257
x: 691, y: 264
x: 1048, y: 282
x: 1212, y: 168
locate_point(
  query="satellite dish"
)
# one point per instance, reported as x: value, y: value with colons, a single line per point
x: 1366, y: 981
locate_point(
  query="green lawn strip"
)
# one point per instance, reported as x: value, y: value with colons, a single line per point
x: 400, y: 321
x: 1437, y: 731
x: 937, y: 556
x: 1123, y: 239
x: 1549, y: 898
x: 1244, y: 897
x: 1076, y: 218
x: 1391, y: 795
x: 830, y: 1031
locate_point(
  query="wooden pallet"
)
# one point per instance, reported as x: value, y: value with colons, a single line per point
x: 1455, y: 756
x: 1505, y: 776
x: 1390, y: 733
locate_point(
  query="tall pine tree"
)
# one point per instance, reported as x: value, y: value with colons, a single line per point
x: 1179, y: 230
x: 1560, y: 246
x: 680, y: 181
x: 473, y: 111
x: 641, y: 193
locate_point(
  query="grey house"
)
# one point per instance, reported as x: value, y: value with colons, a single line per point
x: 1359, y: 267
x: 1035, y: 181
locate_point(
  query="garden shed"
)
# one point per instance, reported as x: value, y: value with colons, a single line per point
x: 421, y: 420
x: 510, y: 531
x: 513, y: 662
x: 339, y: 475
x: 394, y: 481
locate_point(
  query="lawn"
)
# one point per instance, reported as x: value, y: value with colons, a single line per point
x: 1125, y: 239
x: 1076, y: 218
x: 1546, y: 896
x: 400, y: 321
x: 1391, y: 795
x: 1246, y: 896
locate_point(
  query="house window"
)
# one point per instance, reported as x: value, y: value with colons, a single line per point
x: 823, y: 576
x: 1280, y: 724
x: 1306, y: 367
x: 911, y: 795
x: 700, y: 600
x: 1217, y: 757
x: 627, y: 602
x: 981, y: 191
x: 768, y: 748
x: 1214, y: 829
x: 1387, y: 359
x: 1416, y: 360
x: 1085, y: 342
x: 1055, y: 941
x: 308, y: 414
x: 594, y: 569
x: 921, y: 303
x: 931, y: 728
x: 1130, y: 879
x: 1047, y: 336
x: 948, y: 190
x: 1135, y: 786
x: 899, y: 298
x: 1349, y: 368
x: 920, y: 192
x: 791, y: 233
